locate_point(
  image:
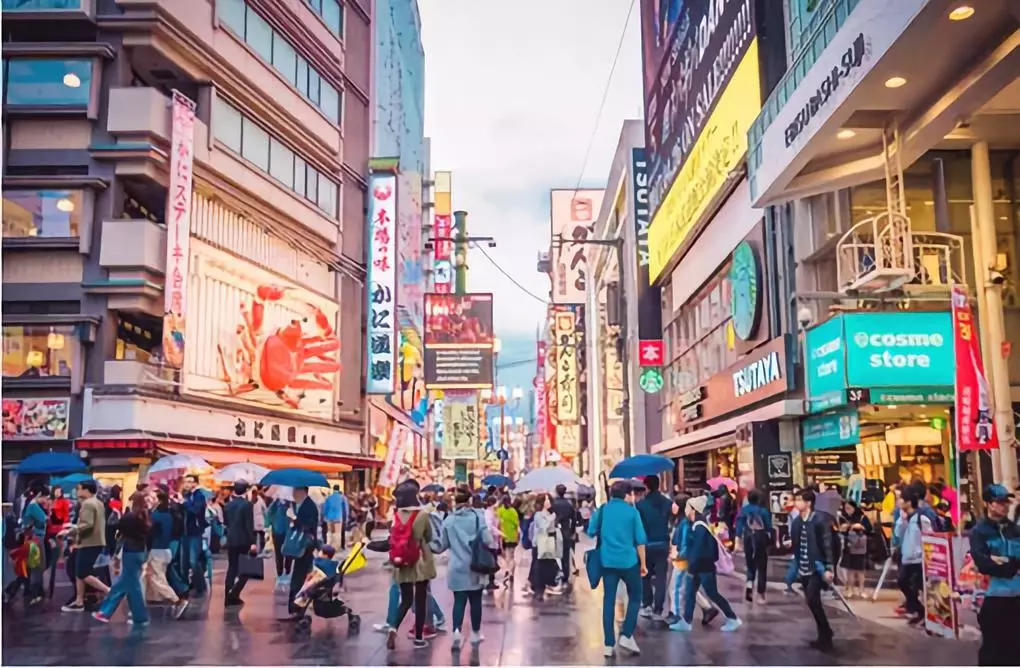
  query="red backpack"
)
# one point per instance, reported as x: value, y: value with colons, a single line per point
x: 404, y: 549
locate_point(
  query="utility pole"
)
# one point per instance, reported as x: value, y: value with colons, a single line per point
x: 460, y: 253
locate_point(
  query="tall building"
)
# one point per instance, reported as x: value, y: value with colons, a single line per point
x: 184, y: 186
x: 399, y: 149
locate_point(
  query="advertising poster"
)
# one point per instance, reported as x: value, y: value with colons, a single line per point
x: 35, y: 419
x: 178, y: 228
x: 940, y: 616
x: 975, y: 427
x: 461, y: 434
x: 381, y: 357
x: 411, y: 270
x: 568, y: 440
x: 567, y: 404
x: 573, y: 217
x: 458, y: 342
x: 400, y: 441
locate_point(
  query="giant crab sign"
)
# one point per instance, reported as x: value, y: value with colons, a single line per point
x: 286, y: 361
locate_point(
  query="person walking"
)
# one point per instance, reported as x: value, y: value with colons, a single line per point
x: 995, y: 547
x: 754, y: 528
x: 161, y: 534
x: 681, y: 533
x: 510, y: 526
x: 413, y: 564
x: 702, y: 552
x: 241, y: 539
x: 133, y: 539
x: 89, y: 544
x: 912, y: 524
x: 279, y: 522
x: 336, y: 511
x: 655, y: 510
x: 812, y: 548
x: 460, y: 530
x: 546, y: 548
x: 306, y: 520
x: 34, y: 524
x: 192, y: 543
x: 621, y: 540
x: 566, y: 518
x: 856, y: 529
x: 495, y: 531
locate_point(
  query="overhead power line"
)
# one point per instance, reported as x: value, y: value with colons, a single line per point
x: 509, y: 277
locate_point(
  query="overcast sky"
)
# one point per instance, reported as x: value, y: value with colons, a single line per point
x: 512, y: 92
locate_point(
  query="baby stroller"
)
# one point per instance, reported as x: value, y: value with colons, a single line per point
x: 320, y: 594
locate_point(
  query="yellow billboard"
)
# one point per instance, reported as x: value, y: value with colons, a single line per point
x: 718, y: 151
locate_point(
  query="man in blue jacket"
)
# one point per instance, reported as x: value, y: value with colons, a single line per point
x: 193, y: 504
x: 336, y: 511
x: 995, y: 547
x: 655, y: 509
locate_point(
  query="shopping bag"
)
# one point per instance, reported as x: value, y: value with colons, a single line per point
x: 545, y: 545
x: 251, y: 567
x: 296, y: 543
x: 483, y: 561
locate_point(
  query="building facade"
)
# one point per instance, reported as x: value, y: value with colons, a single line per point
x: 236, y: 135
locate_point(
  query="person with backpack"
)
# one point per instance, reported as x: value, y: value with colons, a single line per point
x: 754, y: 528
x: 34, y: 523
x: 465, y: 534
x: 703, y: 553
x: 413, y: 564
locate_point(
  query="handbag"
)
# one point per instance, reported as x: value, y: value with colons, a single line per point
x: 251, y: 567
x: 724, y: 562
x: 483, y: 561
x: 295, y: 544
x: 545, y: 544
x: 857, y: 543
x: 593, y: 557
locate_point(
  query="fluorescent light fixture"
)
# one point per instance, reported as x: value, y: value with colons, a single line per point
x: 71, y: 80
x: 895, y: 82
x: 65, y: 205
x: 846, y: 134
x: 961, y: 13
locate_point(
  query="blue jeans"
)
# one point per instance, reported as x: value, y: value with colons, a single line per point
x: 707, y: 582
x: 653, y: 585
x: 611, y: 578
x: 435, y: 612
x: 129, y: 586
x: 791, y: 574
x: 192, y: 553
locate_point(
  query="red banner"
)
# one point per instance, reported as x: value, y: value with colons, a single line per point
x: 443, y: 249
x: 975, y: 427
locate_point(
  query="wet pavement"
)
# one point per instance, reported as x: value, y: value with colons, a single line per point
x: 565, y: 631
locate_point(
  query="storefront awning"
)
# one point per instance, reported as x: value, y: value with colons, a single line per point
x: 221, y: 456
x: 717, y: 435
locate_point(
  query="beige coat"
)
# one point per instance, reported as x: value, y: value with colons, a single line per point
x: 425, y: 569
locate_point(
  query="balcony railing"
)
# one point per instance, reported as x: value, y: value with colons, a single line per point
x: 133, y: 244
x: 133, y: 373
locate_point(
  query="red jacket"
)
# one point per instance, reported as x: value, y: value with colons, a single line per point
x: 60, y: 514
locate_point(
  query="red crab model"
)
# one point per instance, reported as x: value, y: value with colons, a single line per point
x: 285, y: 362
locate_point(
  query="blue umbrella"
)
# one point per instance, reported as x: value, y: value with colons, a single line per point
x: 497, y: 480
x: 295, y: 478
x: 639, y: 466
x: 69, y: 482
x: 52, y: 463
x: 434, y: 488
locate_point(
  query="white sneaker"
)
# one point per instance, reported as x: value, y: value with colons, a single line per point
x: 477, y: 638
x: 608, y: 652
x: 645, y: 613
x: 458, y: 639
x: 381, y: 628
x: 627, y: 643
x: 731, y: 624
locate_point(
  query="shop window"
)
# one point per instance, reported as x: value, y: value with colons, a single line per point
x: 42, y: 213
x: 227, y: 122
x: 139, y: 338
x: 37, y: 351
x: 47, y: 82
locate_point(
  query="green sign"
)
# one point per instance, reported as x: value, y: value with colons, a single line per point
x: 825, y: 365
x: 899, y: 349
x: 832, y: 430
x: 912, y: 395
x: 745, y: 291
x: 651, y: 380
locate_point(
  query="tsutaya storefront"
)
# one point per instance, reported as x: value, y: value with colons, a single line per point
x: 879, y: 388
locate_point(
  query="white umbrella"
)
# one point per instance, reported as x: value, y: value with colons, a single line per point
x: 281, y: 492
x: 546, y: 479
x: 180, y: 463
x: 243, y: 471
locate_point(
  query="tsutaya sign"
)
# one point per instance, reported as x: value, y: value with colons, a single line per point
x: 757, y: 375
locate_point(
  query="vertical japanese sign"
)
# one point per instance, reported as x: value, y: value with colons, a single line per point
x: 541, y: 415
x: 566, y: 367
x: 462, y: 428
x: 400, y: 441
x: 442, y: 277
x: 573, y: 217
x: 550, y: 388
x: 178, y: 228
x: 940, y: 614
x: 649, y: 309
x: 975, y: 427
x: 381, y: 359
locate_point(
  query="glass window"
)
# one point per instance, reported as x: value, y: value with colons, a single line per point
x: 302, y: 76
x: 37, y: 351
x: 327, y: 195
x: 139, y: 338
x: 300, y: 176
x: 314, y: 80
x: 42, y: 213
x: 332, y: 14
x: 312, y: 184
x: 259, y: 36
x: 226, y: 122
x: 39, y: 5
x: 231, y: 13
x: 281, y: 163
x: 255, y: 145
x: 51, y: 82
x: 285, y: 58
x: 330, y: 102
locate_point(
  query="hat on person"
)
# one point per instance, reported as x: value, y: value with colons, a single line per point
x: 996, y: 492
x: 697, y: 504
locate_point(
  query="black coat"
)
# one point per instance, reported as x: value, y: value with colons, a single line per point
x: 240, y: 518
x: 817, y: 531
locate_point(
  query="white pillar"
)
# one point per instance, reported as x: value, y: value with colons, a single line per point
x: 993, y: 327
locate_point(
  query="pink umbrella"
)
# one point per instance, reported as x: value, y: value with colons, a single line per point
x: 719, y: 480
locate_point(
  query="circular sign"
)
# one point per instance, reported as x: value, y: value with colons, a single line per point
x: 745, y: 291
x: 651, y: 380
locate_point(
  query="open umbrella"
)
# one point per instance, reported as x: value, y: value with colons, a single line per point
x: 497, y: 480
x: 52, y: 463
x: 720, y: 480
x: 641, y: 465
x: 70, y: 481
x: 433, y: 488
x: 281, y: 492
x: 295, y: 478
x: 179, y: 463
x: 547, y: 478
x: 242, y: 472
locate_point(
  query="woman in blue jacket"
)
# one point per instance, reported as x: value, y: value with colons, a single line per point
x: 681, y: 532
